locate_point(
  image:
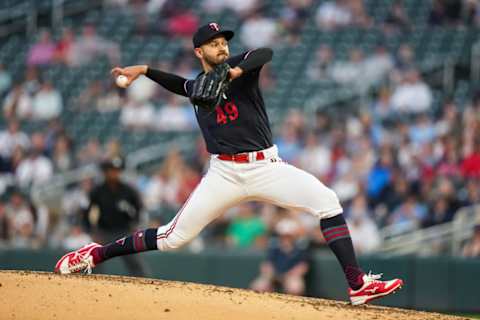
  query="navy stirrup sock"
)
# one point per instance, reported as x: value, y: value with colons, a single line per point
x: 142, y: 240
x: 336, y: 234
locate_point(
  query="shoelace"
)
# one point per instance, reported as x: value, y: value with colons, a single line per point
x: 83, y: 264
x: 373, y: 277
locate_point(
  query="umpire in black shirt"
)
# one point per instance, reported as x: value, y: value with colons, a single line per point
x: 114, y: 210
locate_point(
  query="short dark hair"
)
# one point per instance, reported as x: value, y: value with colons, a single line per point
x: 113, y: 163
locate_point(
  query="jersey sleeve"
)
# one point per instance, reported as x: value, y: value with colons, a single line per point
x: 235, y: 60
x: 254, y: 60
x: 251, y: 61
x: 171, y: 82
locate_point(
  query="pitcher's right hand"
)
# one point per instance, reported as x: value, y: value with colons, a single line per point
x: 131, y: 72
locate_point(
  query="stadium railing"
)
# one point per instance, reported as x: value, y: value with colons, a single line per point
x: 50, y: 193
x: 444, y: 238
x: 23, y: 16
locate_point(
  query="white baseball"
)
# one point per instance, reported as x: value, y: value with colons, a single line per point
x: 122, y: 81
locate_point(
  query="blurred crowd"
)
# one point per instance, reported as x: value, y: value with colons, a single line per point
x: 395, y: 163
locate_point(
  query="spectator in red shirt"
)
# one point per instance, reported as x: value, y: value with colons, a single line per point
x: 470, y: 166
x: 183, y: 24
x: 63, y: 50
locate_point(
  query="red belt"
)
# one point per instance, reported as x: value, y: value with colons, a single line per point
x: 241, y: 157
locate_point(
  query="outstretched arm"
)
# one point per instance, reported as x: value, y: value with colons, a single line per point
x: 171, y: 82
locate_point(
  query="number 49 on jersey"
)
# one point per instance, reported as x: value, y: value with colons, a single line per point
x: 229, y: 112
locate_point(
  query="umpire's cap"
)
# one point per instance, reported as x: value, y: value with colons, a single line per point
x: 113, y: 163
x: 210, y: 31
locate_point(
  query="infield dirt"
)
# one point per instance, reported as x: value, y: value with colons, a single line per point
x: 46, y: 296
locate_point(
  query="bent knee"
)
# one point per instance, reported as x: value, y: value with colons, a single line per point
x: 171, y: 242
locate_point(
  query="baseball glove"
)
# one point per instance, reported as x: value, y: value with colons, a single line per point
x: 209, y: 87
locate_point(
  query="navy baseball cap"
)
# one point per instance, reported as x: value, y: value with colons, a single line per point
x: 210, y: 31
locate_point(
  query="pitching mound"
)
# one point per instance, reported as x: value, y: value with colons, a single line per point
x: 39, y: 295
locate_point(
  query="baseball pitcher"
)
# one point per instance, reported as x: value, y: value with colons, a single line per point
x: 244, y: 165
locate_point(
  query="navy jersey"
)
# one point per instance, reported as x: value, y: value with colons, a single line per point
x: 240, y: 122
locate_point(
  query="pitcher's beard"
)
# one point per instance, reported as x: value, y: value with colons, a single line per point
x: 220, y: 59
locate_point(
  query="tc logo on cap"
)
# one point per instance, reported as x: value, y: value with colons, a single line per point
x: 214, y: 26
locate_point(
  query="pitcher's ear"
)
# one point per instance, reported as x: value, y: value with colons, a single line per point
x: 198, y: 53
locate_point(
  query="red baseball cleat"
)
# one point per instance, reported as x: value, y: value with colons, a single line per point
x: 77, y: 261
x: 373, y: 289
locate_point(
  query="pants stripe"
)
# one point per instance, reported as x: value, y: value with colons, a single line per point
x: 172, y: 227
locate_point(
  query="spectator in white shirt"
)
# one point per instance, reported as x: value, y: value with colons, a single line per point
x: 137, y: 115
x: 241, y: 8
x: 154, y: 194
x: 75, y: 201
x: 11, y: 138
x: 345, y: 183
x: 90, y: 153
x: 412, y: 95
x: 333, y: 14
x: 91, y: 45
x: 351, y: 71
x: 141, y: 90
x: 47, y: 103
x: 21, y: 221
x: 62, y: 154
x: 175, y: 115
x: 321, y: 67
x: 258, y: 31
x: 363, y: 230
x: 35, y: 168
x: 76, y: 238
x: 378, y: 65
x: 315, y: 157
x: 18, y: 103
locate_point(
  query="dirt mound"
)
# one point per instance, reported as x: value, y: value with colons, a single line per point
x: 39, y: 295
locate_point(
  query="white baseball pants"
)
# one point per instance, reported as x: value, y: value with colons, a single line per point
x: 229, y: 183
